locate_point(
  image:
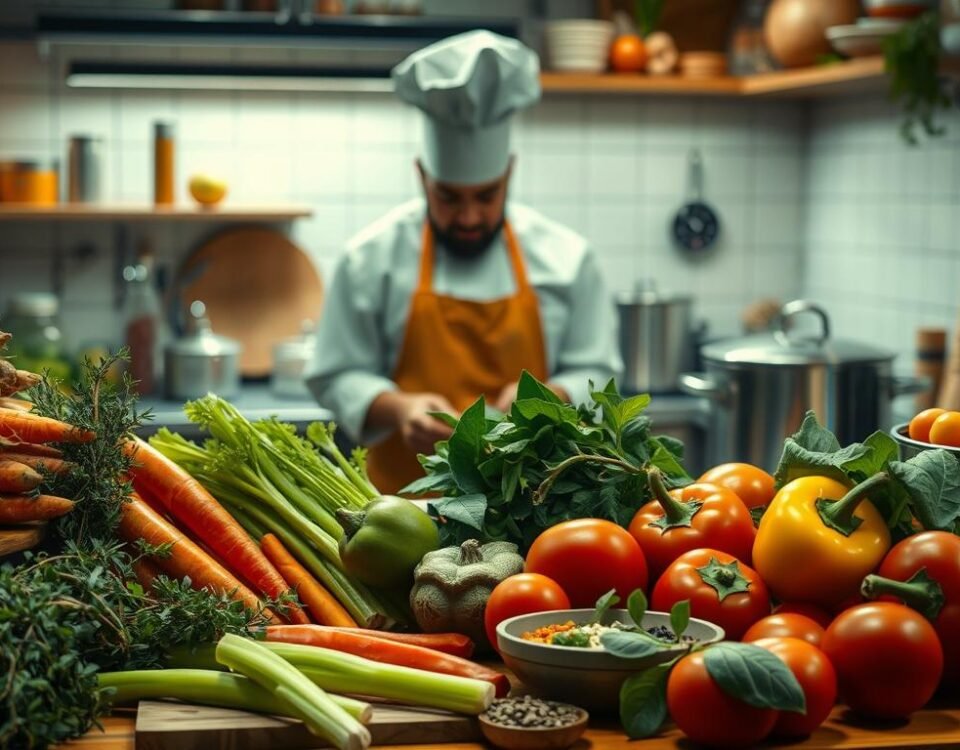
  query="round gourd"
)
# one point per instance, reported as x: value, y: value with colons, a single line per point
x: 451, y: 586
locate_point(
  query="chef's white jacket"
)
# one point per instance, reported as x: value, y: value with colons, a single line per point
x: 365, y: 313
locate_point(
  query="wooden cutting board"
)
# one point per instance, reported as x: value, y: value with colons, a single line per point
x: 20, y: 538
x: 178, y: 726
x: 258, y: 287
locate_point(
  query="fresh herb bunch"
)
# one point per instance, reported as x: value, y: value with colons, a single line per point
x: 97, y: 482
x: 925, y: 487
x: 66, y: 617
x: 912, y: 56
x: 545, y: 462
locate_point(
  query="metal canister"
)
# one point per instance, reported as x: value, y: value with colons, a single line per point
x: 84, y: 175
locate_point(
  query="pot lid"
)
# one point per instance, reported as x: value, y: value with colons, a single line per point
x: 792, y: 349
x: 645, y: 292
x: 200, y: 340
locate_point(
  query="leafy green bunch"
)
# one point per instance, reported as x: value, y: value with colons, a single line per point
x: 925, y: 487
x: 66, y: 617
x: 508, y: 478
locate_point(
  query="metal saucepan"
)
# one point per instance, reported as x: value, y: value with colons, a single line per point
x: 202, y: 362
x: 760, y: 387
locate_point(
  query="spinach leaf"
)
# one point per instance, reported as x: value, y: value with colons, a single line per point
x: 932, y: 480
x: 755, y: 676
x: 643, y: 702
x: 466, y: 448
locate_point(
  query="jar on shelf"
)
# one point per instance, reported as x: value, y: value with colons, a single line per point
x: 37, y: 344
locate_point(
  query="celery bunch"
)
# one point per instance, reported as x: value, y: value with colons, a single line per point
x: 272, y: 480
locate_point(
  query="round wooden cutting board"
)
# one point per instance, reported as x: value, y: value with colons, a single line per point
x: 258, y: 288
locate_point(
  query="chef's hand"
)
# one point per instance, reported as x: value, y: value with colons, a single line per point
x: 508, y: 395
x: 419, y: 429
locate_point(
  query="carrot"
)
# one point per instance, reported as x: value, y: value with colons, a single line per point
x: 455, y: 644
x: 32, y: 449
x: 16, y: 476
x: 321, y: 605
x: 18, y: 404
x: 38, y: 463
x: 23, y: 508
x: 387, y: 652
x: 146, y: 572
x: 13, y: 380
x: 139, y: 521
x: 186, y: 500
x: 30, y: 428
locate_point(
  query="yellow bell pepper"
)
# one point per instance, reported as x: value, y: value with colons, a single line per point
x: 819, y: 538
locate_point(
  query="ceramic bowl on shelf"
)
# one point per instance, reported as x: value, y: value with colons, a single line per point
x: 853, y: 40
x: 588, y: 677
x: 897, y: 8
x: 581, y: 46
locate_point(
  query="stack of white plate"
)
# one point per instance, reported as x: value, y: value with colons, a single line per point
x: 864, y: 38
x: 581, y: 46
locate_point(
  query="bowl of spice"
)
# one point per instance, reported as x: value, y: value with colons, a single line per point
x: 528, y: 723
x: 561, y: 655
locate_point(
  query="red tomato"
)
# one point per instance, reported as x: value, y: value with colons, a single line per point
x: 697, y: 575
x: 816, y: 676
x: 938, y: 553
x: 750, y: 483
x: 819, y: 616
x: 521, y: 594
x: 785, y: 626
x: 708, y: 715
x: 888, y: 659
x: 697, y: 516
x: 588, y: 557
x: 919, y: 427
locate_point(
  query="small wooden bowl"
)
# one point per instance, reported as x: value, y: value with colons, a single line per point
x: 525, y: 738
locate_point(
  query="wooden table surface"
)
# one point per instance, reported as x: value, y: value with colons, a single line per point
x: 930, y: 728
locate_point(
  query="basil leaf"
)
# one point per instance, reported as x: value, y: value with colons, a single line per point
x: 637, y: 606
x: 643, y: 702
x: 755, y: 676
x: 528, y: 387
x: 430, y: 483
x: 510, y: 480
x: 797, y: 461
x: 680, y: 618
x: 628, y: 645
x: 883, y: 450
x: 664, y: 460
x: 632, y: 407
x: 448, y: 419
x: 932, y: 479
x: 468, y: 509
x: 465, y: 446
x: 814, y: 437
x: 604, y: 603
x: 530, y: 409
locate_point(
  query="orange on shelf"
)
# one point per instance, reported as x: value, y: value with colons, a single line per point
x: 628, y: 54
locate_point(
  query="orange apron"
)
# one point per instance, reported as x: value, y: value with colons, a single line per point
x: 460, y: 349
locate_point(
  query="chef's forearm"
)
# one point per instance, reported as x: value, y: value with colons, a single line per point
x: 384, y: 414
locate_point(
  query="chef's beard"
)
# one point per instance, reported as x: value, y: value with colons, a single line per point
x: 459, y: 247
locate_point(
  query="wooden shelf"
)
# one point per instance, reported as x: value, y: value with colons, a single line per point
x: 861, y: 75
x: 107, y: 212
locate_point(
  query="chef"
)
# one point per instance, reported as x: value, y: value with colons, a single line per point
x: 451, y: 296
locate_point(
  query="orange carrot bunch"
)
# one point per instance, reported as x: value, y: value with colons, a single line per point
x: 24, y: 459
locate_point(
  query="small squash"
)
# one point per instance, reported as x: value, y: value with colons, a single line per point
x: 451, y: 586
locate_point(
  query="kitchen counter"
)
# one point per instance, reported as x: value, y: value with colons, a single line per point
x: 255, y: 401
x: 933, y: 727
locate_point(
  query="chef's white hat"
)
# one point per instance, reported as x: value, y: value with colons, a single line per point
x: 468, y: 86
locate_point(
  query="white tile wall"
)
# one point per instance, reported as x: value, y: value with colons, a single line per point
x: 614, y: 169
x: 882, y: 231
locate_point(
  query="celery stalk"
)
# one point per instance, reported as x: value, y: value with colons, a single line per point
x: 353, y: 674
x: 208, y: 688
x: 321, y: 715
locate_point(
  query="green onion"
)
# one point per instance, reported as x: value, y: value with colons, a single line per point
x: 303, y: 699
x: 334, y: 670
x: 207, y: 688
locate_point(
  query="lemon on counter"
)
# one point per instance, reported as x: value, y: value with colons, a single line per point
x: 207, y: 190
